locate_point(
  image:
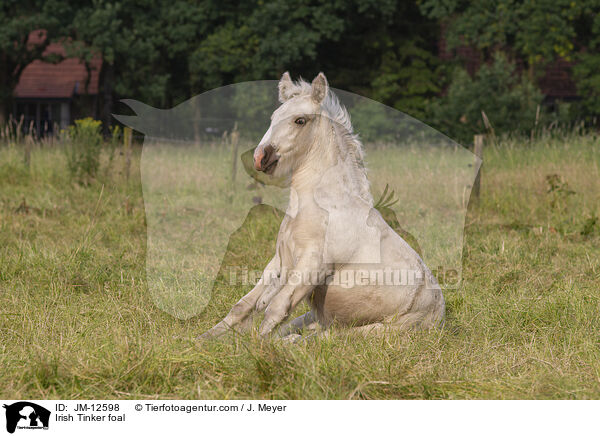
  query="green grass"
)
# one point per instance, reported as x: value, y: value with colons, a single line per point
x: 77, y: 319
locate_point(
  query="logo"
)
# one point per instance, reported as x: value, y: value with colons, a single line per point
x: 427, y: 179
x: 26, y: 415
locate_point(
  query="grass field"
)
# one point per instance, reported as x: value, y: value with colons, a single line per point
x: 77, y: 320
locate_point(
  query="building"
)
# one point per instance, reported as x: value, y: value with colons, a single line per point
x: 50, y: 96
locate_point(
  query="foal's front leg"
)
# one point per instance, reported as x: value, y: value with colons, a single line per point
x: 247, y: 304
x: 296, y: 326
x: 293, y: 292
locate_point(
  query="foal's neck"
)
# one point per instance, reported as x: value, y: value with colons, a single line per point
x: 321, y: 156
x: 330, y: 165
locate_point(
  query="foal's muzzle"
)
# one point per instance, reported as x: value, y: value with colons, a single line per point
x: 265, y: 159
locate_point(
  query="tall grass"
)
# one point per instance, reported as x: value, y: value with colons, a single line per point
x: 77, y: 321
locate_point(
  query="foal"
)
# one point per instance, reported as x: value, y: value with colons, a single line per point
x: 333, y: 248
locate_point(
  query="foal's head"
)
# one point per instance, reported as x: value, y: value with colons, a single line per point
x: 294, y: 125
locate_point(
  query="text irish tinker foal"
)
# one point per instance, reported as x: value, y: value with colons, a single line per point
x: 331, y: 232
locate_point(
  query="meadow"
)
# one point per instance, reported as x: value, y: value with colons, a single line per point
x: 77, y: 319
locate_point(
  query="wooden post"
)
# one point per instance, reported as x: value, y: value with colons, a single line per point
x: 28, y: 144
x: 19, y: 129
x: 127, y: 139
x: 478, y: 141
x: 27, y: 157
x: 235, y: 137
x: 197, y: 121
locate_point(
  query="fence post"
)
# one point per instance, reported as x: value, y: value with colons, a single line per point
x: 127, y: 138
x: 28, y: 144
x: 197, y: 121
x: 478, y: 141
x: 235, y: 137
x: 27, y: 157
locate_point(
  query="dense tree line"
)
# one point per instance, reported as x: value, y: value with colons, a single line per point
x: 162, y: 52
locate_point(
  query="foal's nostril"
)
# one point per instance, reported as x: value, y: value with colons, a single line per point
x: 267, y: 155
x: 264, y: 160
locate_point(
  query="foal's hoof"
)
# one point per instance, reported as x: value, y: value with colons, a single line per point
x: 207, y: 336
x: 292, y: 338
x: 203, y: 338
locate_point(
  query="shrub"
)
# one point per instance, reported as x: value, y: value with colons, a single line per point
x: 509, y: 101
x: 83, y: 149
x: 374, y: 122
x: 408, y: 78
x: 587, y: 76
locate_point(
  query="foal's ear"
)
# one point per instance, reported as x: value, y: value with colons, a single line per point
x: 320, y: 87
x: 286, y: 86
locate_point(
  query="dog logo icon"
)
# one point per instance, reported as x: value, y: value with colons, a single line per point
x: 26, y: 415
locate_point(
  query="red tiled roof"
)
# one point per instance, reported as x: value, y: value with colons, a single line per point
x: 45, y: 80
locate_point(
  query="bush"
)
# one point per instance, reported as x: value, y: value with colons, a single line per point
x: 408, y: 78
x: 509, y: 101
x: 374, y: 122
x: 586, y: 73
x: 83, y: 149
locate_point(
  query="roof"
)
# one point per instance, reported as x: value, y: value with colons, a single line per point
x: 62, y: 80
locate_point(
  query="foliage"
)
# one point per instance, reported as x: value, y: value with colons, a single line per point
x: 84, y: 148
x: 533, y: 33
x: 164, y: 52
x: 587, y: 67
x: 18, y: 18
x: 509, y: 102
x: 537, y: 31
x: 253, y: 105
x: 587, y: 77
x: 408, y: 78
x: 262, y: 39
x: 130, y: 36
x: 373, y: 122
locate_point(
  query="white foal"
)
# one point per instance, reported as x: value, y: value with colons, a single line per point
x: 333, y: 248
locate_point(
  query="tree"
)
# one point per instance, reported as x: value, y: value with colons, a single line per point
x: 531, y: 33
x: 587, y: 68
x: 509, y: 102
x: 18, y: 19
x: 534, y: 31
x: 127, y: 34
x: 162, y: 52
x: 262, y: 39
x: 384, y: 49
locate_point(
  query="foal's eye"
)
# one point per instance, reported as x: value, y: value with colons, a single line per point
x: 300, y: 121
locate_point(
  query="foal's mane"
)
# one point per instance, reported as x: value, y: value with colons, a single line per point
x: 351, y: 147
